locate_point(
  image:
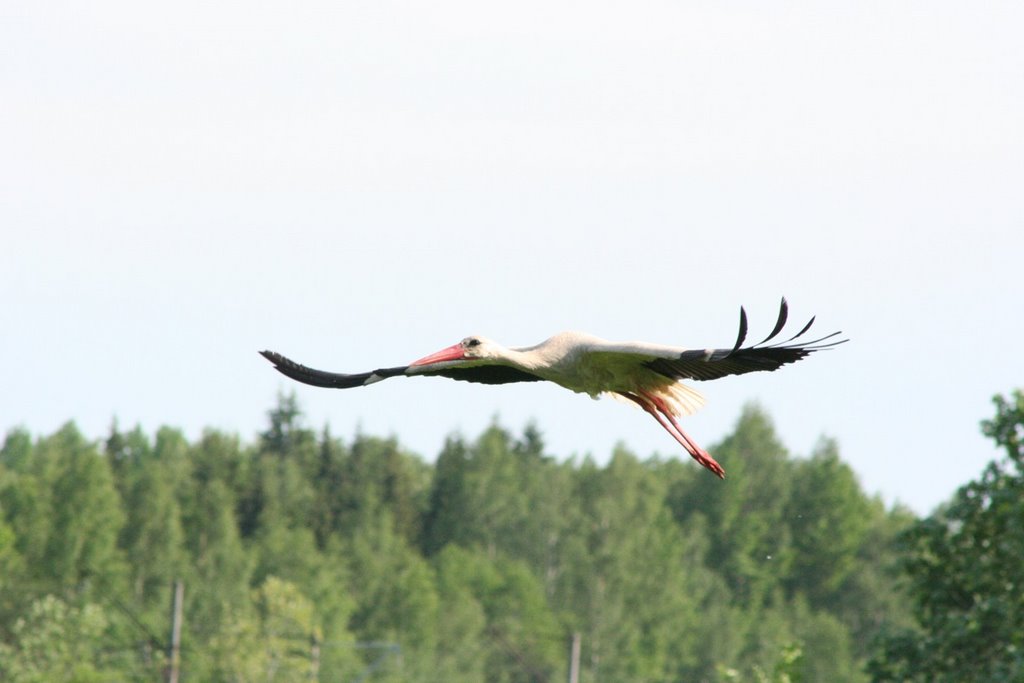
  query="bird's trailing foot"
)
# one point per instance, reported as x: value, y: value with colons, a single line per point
x: 656, y: 407
x: 705, y: 459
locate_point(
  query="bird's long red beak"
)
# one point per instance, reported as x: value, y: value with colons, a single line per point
x: 453, y: 352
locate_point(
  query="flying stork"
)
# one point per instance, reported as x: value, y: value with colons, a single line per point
x: 648, y: 375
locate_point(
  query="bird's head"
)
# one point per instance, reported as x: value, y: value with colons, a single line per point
x: 470, y: 348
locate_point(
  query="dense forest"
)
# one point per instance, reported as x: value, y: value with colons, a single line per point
x: 305, y: 556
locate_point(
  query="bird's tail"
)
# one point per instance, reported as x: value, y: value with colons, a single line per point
x: 678, y: 397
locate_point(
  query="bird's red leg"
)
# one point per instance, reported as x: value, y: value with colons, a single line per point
x: 648, y: 406
x: 691, y: 445
x: 660, y: 412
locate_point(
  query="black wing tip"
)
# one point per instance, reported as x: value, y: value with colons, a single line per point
x: 286, y: 366
x: 817, y: 345
x: 760, y: 357
x: 741, y: 337
x: 332, y: 380
x: 802, y: 348
x: 779, y: 323
x: 280, y: 361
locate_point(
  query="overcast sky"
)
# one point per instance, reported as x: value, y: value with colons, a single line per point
x: 357, y: 184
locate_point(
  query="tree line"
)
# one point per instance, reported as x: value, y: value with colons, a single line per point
x: 310, y: 557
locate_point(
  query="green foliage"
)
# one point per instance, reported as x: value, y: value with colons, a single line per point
x: 785, y: 670
x: 754, y: 552
x: 288, y: 627
x: 964, y: 567
x: 83, y: 512
x: 153, y: 535
x: 305, y: 557
x: 829, y: 517
x: 56, y: 642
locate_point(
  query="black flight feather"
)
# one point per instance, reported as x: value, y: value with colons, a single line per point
x: 320, y: 378
x: 743, y: 330
x: 716, y: 363
x: 780, y: 323
x: 483, y: 374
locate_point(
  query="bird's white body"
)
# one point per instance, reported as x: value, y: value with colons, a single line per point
x: 590, y: 365
x: 646, y: 375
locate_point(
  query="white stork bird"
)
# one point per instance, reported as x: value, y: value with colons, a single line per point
x: 648, y: 375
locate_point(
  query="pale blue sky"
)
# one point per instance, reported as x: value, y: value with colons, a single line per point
x: 358, y: 184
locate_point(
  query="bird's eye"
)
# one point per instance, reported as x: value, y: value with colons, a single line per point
x: 472, y: 342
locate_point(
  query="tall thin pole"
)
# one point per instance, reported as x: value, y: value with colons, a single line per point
x: 574, y: 658
x: 174, y: 647
x: 314, y: 655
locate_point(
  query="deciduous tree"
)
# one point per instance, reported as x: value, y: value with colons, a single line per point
x: 964, y: 567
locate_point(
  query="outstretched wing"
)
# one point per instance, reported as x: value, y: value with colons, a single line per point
x: 333, y: 380
x: 482, y: 374
x: 467, y: 371
x: 715, y: 363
